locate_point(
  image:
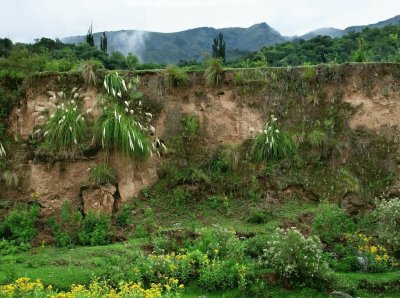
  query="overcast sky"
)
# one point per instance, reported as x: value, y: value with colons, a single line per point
x: 25, y: 20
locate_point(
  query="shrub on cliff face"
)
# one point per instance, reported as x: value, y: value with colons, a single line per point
x: 293, y: 255
x: 95, y: 229
x: 271, y: 143
x: 214, y: 71
x: 118, y: 130
x: 102, y: 174
x: 89, y: 71
x: 66, y: 130
x: 174, y: 76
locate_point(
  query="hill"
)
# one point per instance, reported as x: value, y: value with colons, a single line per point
x: 186, y: 45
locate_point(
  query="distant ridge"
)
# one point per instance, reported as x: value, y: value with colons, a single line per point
x: 194, y: 44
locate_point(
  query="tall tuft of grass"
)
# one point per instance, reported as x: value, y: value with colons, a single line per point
x: 65, y: 130
x: 119, y: 131
x: 231, y: 156
x: 2, y: 151
x: 89, y: 71
x: 102, y: 174
x: 272, y: 144
x: 317, y: 138
x: 175, y: 76
x: 214, y: 71
x: 11, y: 178
x: 114, y: 84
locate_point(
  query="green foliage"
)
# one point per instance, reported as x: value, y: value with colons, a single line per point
x: 218, y: 274
x: 20, y: 224
x: 317, y: 138
x: 132, y: 61
x: 272, y: 144
x: 214, y: 71
x: 123, y: 217
x: 95, y: 229
x: 387, y: 214
x: 118, y: 130
x: 66, y: 130
x: 190, y: 126
x: 331, y: 222
x: 10, y: 247
x: 89, y: 70
x: 65, y: 229
x: 293, y: 255
x: 308, y: 73
x: 219, y: 47
x: 360, y: 55
x: 175, y: 76
x: 114, y: 84
x: 102, y: 174
x: 230, y: 155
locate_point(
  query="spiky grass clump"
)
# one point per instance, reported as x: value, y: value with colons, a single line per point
x: 175, y: 76
x: 65, y: 131
x: 89, y: 71
x: 115, y: 85
x: 190, y: 126
x: 317, y: 138
x: 214, y: 71
x: 11, y: 178
x: 102, y: 174
x: 308, y: 73
x: 231, y: 156
x: 118, y: 130
x: 272, y: 144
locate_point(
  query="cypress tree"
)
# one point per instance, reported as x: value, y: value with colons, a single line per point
x: 218, y: 47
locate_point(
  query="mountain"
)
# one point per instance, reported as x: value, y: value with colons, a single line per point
x: 194, y: 44
x: 333, y: 32
x: 186, y: 45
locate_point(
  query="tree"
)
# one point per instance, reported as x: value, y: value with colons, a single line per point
x: 89, y: 36
x: 103, y: 42
x: 132, y: 61
x: 218, y: 47
x: 359, y: 55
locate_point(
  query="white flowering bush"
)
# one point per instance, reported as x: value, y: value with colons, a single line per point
x: 271, y: 143
x: 293, y: 255
x: 387, y: 215
x: 65, y: 130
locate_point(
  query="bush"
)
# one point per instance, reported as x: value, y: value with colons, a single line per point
x: 219, y: 275
x: 102, y: 174
x: 272, y: 144
x: 317, y: 139
x: 65, y: 230
x: 117, y: 130
x: 220, y: 242
x: 114, y: 84
x: 89, y: 70
x: 214, y: 71
x: 174, y: 76
x: 190, y: 126
x: 20, y: 224
x: 123, y: 217
x: 66, y: 130
x: 331, y: 222
x: 387, y: 214
x: 95, y: 229
x: 294, y: 256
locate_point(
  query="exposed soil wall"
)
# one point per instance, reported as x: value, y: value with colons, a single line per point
x: 357, y: 106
